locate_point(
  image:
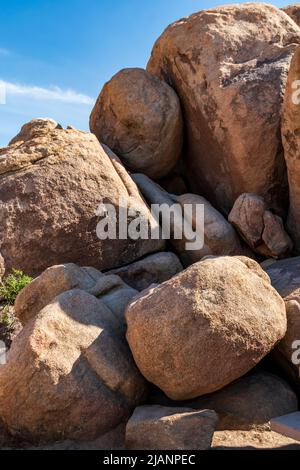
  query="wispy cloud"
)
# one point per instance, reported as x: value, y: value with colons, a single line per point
x: 46, y: 94
x: 4, y: 51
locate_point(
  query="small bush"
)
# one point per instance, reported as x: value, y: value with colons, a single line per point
x: 5, y: 319
x: 12, y: 284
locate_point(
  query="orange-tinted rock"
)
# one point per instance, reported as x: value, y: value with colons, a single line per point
x: 51, y: 184
x: 139, y: 117
x: 229, y: 66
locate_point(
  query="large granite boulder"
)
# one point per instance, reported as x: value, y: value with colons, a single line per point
x: 139, y: 117
x: 229, y: 66
x: 205, y: 327
x: 52, y: 182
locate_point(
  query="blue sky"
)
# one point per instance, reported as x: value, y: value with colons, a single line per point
x: 55, y: 55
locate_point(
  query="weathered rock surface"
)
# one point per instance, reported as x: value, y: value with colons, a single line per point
x: 173, y: 183
x: 116, y: 295
x: 229, y: 66
x: 51, y: 184
x: 224, y: 317
x: 139, y: 117
x: 162, y: 428
x: 284, y: 275
x: 288, y: 351
x: 252, y: 440
x: 291, y: 143
x: 52, y: 282
x: 259, y: 227
x: 218, y: 236
x: 111, y: 289
x: 294, y: 12
x: 153, y: 269
x: 249, y: 402
x: 70, y: 374
x: 2, y: 266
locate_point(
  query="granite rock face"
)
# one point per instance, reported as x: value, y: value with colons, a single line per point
x: 139, y: 117
x: 52, y: 182
x: 229, y: 67
x: 205, y: 327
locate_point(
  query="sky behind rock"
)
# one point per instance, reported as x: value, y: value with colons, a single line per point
x: 55, y: 55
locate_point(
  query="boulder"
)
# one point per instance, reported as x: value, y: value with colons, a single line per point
x: 153, y: 269
x: 259, y: 227
x: 275, y: 238
x: 294, y: 12
x: 52, y: 182
x: 218, y: 236
x: 162, y: 428
x: 291, y: 143
x: 139, y: 117
x: 284, y: 275
x: 70, y: 374
x: 224, y: 317
x: 173, y: 183
x: 2, y: 266
x: 229, y: 66
x: 115, y: 294
x: 288, y: 350
x: 249, y: 402
x: 52, y: 282
x: 111, y: 289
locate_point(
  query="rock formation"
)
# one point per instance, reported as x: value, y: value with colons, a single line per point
x: 138, y: 116
x: 224, y: 317
x: 51, y: 184
x: 259, y: 227
x: 229, y: 67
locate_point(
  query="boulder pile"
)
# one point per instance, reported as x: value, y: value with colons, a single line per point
x: 148, y: 332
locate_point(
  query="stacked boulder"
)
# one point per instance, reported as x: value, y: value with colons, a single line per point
x: 51, y: 183
x: 149, y: 331
x: 70, y: 373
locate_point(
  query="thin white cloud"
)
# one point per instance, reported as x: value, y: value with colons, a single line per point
x: 4, y: 51
x: 46, y: 94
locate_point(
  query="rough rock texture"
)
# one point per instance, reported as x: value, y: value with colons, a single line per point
x: 223, y: 318
x: 139, y: 117
x: 52, y: 282
x: 294, y: 12
x: 116, y: 295
x: 284, y: 275
x: 70, y: 374
x: 260, y: 228
x: 219, y: 237
x: 51, y: 184
x: 289, y: 346
x: 2, y: 266
x: 111, y: 289
x: 228, y: 66
x: 252, y: 440
x: 153, y: 269
x: 291, y: 143
x: 174, y: 183
x: 249, y: 402
x: 161, y: 428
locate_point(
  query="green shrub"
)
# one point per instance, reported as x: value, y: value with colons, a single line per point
x: 5, y: 319
x: 12, y: 284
